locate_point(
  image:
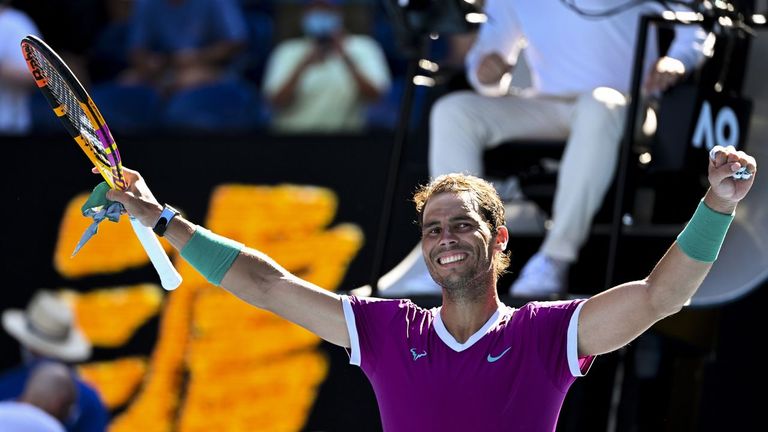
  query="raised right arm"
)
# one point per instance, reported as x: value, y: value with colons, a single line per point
x: 253, y: 276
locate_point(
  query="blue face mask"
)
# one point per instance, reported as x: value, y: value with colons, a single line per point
x: 321, y: 23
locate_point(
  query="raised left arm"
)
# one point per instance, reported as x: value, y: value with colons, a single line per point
x: 614, y: 318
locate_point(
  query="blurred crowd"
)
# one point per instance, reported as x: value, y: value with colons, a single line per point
x: 291, y: 66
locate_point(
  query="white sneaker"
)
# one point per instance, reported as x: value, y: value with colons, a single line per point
x: 541, y: 277
x: 409, y: 277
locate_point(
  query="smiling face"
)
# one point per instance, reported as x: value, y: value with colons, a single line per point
x: 480, y: 199
x: 458, y: 245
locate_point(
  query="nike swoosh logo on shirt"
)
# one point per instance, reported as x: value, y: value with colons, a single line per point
x: 492, y: 359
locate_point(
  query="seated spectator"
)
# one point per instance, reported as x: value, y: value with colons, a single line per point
x: 321, y: 82
x: 180, y: 44
x: 48, y: 398
x: 46, y: 332
x: 15, y: 81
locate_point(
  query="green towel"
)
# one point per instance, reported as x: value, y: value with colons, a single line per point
x: 98, y: 207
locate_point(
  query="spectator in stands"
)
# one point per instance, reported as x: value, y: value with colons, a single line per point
x: 48, y: 398
x: 581, y: 71
x: 321, y: 82
x: 108, y: 53
x: 182, y: 44
x: 46, y: 331
x: 15, y: 81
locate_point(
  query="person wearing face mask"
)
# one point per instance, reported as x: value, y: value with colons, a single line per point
x: 320, y: 82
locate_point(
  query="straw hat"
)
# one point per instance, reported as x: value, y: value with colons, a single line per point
x: 47, y: 327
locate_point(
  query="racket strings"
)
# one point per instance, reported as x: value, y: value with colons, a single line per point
x: 72, y: 108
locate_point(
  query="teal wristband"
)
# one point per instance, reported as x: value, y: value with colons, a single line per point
x: 210, y: 254
x: 702, y: 238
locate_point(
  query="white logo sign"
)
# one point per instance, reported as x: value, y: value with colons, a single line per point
x: 710, y: 135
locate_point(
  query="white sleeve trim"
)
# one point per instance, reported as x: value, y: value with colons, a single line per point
x: 572, y: 347
x: 354, y: 340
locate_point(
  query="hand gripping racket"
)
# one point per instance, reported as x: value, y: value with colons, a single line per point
x: 84, y: 122
x: 741, y: 174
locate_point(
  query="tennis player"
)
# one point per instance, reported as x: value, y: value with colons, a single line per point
x: 472, y: 363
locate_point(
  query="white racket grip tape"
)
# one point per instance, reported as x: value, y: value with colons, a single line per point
x: 170, y: 279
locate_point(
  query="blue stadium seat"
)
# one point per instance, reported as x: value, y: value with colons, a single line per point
x: 44, y: 121
x: 109, y: 53
x: 260, y: 43
x: 384, y: 113
x: 127, y: 109
x: 227, y: 106
x: 384, y: 34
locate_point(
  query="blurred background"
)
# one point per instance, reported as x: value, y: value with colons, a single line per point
x: 226, y: 112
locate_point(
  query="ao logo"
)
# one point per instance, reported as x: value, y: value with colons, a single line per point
x: 710, y: 135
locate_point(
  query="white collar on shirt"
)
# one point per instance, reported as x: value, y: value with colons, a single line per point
x: 452, y: 343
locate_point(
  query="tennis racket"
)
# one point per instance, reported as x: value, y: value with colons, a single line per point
x: 84, y: 122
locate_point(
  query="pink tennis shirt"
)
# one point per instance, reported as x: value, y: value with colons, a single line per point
x: 512, y: 374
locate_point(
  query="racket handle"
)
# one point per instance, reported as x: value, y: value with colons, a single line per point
x: 170, y: 279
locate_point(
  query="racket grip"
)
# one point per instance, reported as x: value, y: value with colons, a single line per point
x: 170, y: 279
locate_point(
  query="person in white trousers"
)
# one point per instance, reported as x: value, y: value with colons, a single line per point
x: 581, y: 71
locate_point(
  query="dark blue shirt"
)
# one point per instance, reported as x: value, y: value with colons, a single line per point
x: 90, y: 414
x: 166, y: 27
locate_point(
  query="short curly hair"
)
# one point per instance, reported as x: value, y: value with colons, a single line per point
x: 483, y: 193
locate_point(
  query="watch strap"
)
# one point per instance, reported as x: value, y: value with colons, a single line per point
x: 166, y: 216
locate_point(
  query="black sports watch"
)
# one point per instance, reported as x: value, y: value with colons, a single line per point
x: 165, y: 218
